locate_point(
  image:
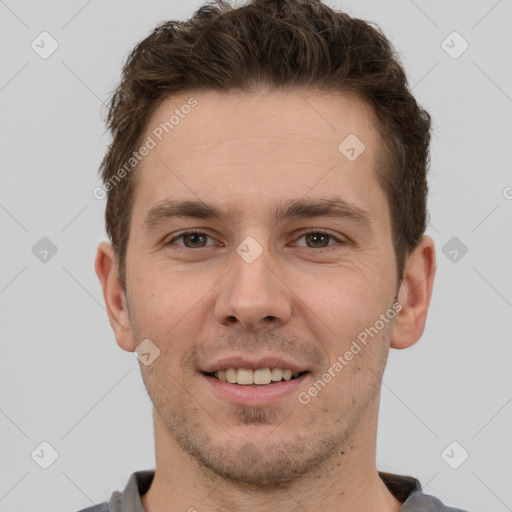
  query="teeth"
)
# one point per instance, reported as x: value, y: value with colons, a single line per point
x: 231, y: 375
x: 244, y: 376
x: 261, y: 377
x: 277, y: 374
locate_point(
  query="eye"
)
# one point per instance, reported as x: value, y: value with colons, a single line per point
x: 318, y: 238
x: 196, y: 239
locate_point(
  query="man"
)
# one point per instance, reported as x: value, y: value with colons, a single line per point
x: 266, y: 206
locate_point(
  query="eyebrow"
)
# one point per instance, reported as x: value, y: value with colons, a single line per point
x: 334, y: 207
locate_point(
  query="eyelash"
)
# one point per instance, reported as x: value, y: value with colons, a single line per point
x: 302, y: 234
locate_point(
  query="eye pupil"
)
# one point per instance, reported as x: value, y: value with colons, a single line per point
x: 314, y: 236
x: 190, y: 235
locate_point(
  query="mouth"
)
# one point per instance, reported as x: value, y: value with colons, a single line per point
x: 255, y: 381
x: 255, y: 378
x: 255, y: 388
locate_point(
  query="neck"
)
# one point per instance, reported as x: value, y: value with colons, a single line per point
x: 349, y: 481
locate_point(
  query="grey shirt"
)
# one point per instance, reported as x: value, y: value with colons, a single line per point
x: 405, y: 488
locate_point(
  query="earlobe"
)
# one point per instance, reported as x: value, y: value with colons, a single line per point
x: 114, y: 296
x: 414, y: 295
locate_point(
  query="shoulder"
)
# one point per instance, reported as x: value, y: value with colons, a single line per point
x: 408, y: 490
x: 420, y: 502
x: 129, y: 500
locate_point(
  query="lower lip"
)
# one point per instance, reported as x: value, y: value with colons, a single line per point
x: 255, y: 396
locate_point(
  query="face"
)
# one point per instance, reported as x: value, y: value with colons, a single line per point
x: 265, y: 285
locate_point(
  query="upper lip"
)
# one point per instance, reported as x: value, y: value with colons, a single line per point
x: 253, y: 363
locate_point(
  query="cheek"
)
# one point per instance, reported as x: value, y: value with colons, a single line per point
x: 342, y: 310
x: 350, y: 294
x: 169, y: 304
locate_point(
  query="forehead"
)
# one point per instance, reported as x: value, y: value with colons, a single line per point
x: 279, y: 145
x: 221, y: 119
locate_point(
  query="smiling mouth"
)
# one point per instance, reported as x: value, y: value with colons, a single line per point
x: 255, y: 378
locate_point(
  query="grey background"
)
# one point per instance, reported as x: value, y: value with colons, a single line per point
x: 64, y: 380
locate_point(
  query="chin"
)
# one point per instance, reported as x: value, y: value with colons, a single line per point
x: 274, y: 466
x: 259, y: 456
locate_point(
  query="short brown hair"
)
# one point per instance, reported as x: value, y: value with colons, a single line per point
x: 278, y: 44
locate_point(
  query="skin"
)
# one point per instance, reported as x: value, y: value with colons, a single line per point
x: 301, y: 297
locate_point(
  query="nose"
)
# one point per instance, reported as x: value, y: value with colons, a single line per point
x: 253, y: 294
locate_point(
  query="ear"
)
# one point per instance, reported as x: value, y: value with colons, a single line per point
x: 114, y: 296
x: 414, y: 295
